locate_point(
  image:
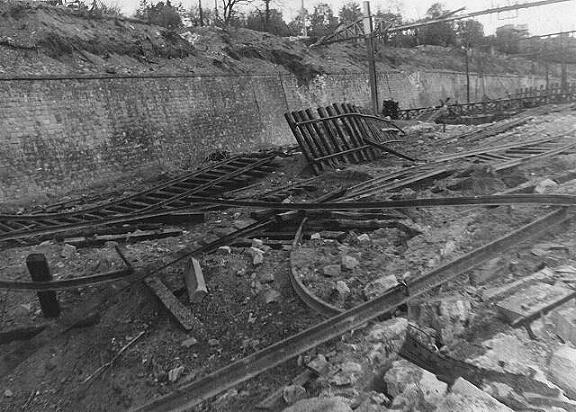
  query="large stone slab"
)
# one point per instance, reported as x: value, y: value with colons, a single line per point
x: 333, y: 404
x: 563, y: 370
x: 533, y: 300
x: 466, y: 389
x: 563, y: 322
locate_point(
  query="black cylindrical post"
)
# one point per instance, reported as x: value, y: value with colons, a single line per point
x: 40, y: 272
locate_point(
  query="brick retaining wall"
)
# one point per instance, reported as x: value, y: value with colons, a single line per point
x: 62, y: 133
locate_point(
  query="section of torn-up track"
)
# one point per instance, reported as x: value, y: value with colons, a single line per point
x: 161, y: 202
x: 216, y: 382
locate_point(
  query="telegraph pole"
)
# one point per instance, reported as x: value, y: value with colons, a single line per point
x: 201, y: 13
x: 368, y: 28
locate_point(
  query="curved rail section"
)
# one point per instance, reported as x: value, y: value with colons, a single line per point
x: 191, y: 394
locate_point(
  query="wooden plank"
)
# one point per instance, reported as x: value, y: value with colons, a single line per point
x: 322, y: 140
x: 341, y: 134
x: 332, y: 133
x: 290, y: 119
x: 308, y: 132
x: 180, y: 312
x: 351, y: 130
x: 358, y: 131
x: 195, y: 282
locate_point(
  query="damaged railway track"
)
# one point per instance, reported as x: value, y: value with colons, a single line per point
x: 303, y: 218
x: 194, y: 393
x: 159, y: 202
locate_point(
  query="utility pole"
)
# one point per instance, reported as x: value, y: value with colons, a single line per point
x: 368, y: 28
x: 267, y: 15
x: 467, y: 51
x: 563, y: 65
x: 201, y: 13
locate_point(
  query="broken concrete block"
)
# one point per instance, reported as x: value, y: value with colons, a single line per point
x: 316, y: 236
x: 332, y: 404
x: 342, y: 289
x: 319, y: 365
x: 226, y: 250
x: 448, y: 316
x: 507, y: 353
x: 466, y: 389
x: 174, y: 374
x: 257, y: 255
x: 563, y: 322
x: 349, y: 262
x: 187, y: 343
x: 563, y: 370
x: 68, y: 251
x: 348, y: 374
x: 293, y: 393
x: 243, y: 223
x: 332, y: 270
x: 403, y: 373
x: 393, y: 329
x: 411, y: 399
x: 545, y: 186
x: 534, y: 299
x: 454, y: 402
x: 379, y: 286
x: 257, y: 243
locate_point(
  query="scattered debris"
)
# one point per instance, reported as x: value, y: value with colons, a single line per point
x: 174, y: 374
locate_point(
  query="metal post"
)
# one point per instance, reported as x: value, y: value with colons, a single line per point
x: 368, y: 28
x: 564, y: 70
x: 201, y: 12
x: 467, y: 74
x: 40, y: 272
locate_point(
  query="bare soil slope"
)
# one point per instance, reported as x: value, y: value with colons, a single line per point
x: 36, y: 38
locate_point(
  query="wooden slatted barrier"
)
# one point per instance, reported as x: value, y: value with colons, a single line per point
x: 341, y: 133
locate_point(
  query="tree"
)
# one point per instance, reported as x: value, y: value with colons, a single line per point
x: 229, y: 9
x: 161, y: 14
x: 470, y: 33
x: 322, y: 20
x: 296, y: 25
x: 256, y: 20
x: 208, y: 18
x: 508, y: 38
x: 350, y: 13
x: 438, y: 34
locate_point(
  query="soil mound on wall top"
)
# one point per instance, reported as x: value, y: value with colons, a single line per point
x: 37, y: 38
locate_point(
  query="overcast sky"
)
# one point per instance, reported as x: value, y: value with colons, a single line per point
x: 540, y: 20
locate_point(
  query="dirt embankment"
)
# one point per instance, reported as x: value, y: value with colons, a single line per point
x: 36, y: 38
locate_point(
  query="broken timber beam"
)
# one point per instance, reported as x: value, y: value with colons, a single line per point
x: 195, y: 282
x: 180, y: 312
